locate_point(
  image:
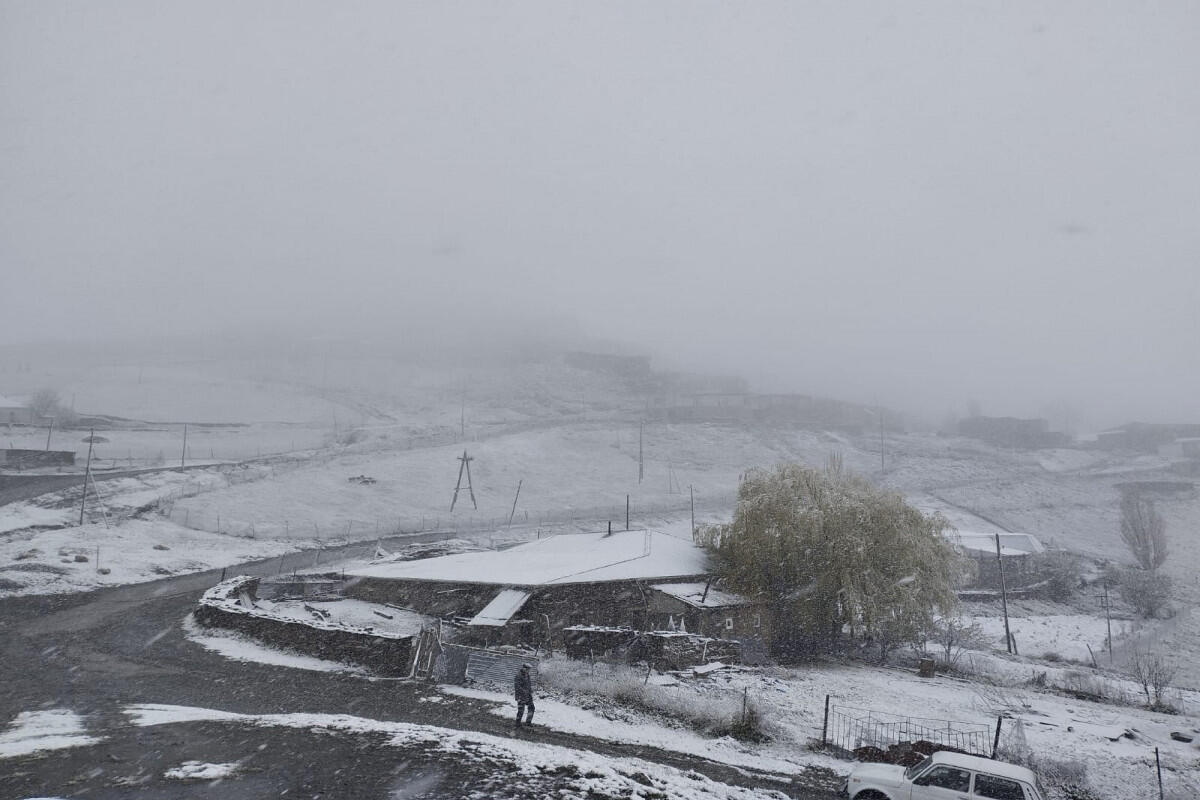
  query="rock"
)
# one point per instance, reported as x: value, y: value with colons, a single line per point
x: 103, y: 570
x: 80, y: 558
x: 1181, y: 737
x: 34, y: 553
x: 161, y: 547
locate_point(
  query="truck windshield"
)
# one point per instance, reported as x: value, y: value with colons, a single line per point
x: 917, y: 769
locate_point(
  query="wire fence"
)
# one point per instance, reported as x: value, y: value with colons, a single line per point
x: 852, y: 729
x: 348, y: 529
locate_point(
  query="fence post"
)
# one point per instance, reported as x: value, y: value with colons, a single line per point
x: 996, y: 740
x: 1158, y: 766
x: 825, y: 724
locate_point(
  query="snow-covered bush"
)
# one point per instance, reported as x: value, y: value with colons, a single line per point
x: 1148, y: 592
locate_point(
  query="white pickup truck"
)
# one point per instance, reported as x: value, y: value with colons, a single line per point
x: 943, y: 776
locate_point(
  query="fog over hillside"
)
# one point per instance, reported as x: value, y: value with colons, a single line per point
x: 919, y: 206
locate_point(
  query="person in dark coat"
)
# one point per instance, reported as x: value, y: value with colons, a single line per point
x: 523, y: 687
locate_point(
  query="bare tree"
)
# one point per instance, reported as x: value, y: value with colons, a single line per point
x: 1154, y: 674
x: 44, y: 402
x: 1144, y: 531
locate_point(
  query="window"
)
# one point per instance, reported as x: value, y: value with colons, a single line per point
x: 997, y: 788
x: 958, y: 780
x: 729, y: 623
x: 758, y: 620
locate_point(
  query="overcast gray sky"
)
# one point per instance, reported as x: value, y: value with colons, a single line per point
x: 922, y: 202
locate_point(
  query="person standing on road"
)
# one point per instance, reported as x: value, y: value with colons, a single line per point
x: 523, y: 687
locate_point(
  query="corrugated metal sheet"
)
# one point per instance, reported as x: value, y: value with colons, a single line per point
x: 497, y: 669
x: 501, y: 609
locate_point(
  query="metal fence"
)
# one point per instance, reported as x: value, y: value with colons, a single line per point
x: 850, y: 729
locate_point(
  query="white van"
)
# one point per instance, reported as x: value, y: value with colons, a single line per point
x: 943, y: 776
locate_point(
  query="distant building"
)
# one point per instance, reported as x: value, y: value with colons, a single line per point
x: 1146, y: 437
x: 791, y: 409
x: 631, y: 368
x: 16, y: 412
x: 1017, y: 551
x: 1026, y: 434
x: 36, y: 459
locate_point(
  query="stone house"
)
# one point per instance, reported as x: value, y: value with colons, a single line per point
x: 528, y: 594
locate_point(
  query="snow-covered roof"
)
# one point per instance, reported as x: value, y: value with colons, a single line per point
x: 691, y: 593
x: 498, y: 612
x: 562, y: 559
x: 1011, y: 544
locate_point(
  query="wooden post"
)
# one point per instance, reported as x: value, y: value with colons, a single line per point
x: 49, y: 430
x: 183, y: 454
x: 882, y: 467
x: 1158, y: 766
x: 692, y: 504
x: 1003, y: 597
x: 996, y: 739
x: 825, y: 724
x: 514, y: 508
x: 626, y: 512
x: 87, y: 473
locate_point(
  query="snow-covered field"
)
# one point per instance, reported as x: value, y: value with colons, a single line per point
x: 138, y: 550
x: 571, y: 443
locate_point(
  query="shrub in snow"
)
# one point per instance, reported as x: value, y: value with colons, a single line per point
x: 1154, y: 674
x: 953, y: 636
x: 732, y: 714
x: 1144, y: 531
x: 1061, y: 572
x: 1148, y: 592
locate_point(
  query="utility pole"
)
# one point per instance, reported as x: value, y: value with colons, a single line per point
x: 1003, y: 597
x: 183, y: 454
x: 1107, y: 606
x: 87, y: 473
x: 641, y: 462
x: 465, y: 465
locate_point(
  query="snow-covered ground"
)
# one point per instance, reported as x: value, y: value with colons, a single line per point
x: 571, y: 442
x: 49, y: 729
x: 1053, y: 726
x: 525, y: 763
x: 1029, y: 693
x: 135, y: 551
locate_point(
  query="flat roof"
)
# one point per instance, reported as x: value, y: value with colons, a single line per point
x: 498, y: 612
x: 691, y: 593
x: 561, y: 559
x: 1011, y: 544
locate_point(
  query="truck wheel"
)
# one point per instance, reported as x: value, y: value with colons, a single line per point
x: 871, y: 794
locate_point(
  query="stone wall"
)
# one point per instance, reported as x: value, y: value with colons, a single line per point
x: 219, y: 607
